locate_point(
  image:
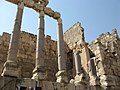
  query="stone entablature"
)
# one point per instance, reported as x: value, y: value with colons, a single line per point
x: 39, y: 72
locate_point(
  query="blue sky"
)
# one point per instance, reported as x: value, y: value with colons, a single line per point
x: 96, y: 16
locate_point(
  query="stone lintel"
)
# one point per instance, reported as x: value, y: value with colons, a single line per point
x: 37, y: 7
x: 48, y: 11
x: 13, y: 1
x: 28, y: 3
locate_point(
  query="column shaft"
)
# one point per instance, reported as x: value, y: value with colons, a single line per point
x: 61, y: 74
x: 60, y: 44
x: 39, y: 71
x: 10, y: 66
x: 40, y: 43
x: 93, y: 67
x: 77, y: 62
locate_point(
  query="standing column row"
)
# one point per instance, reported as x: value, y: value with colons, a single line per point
x: 39, y: 71
x: 11, y: 66
x: 61, y: 74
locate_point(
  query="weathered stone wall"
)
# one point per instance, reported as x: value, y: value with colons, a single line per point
x: 4, y: 44
x: 74, y: 35
x: 100, y: 59
x: 106, y: 50
x: 72, y: 38
x: 26, y: 54
x: 30, y: 84
x: 75, y: 41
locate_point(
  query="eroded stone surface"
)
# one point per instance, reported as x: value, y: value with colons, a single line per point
x: 105, y: 51
x: 26, y: 54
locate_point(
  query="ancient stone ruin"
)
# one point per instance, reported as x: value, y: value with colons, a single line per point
x: 36, y: 62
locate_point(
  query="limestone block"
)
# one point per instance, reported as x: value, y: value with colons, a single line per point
x: 9, y: 81
x: 11, y: 69
x: 94, y: 80
x: 37, y: 6
x: 107, y: 80
x: 60, y: 86
x: 101, y: 71
x: 29, y: 3
x: 6, y: 44
x: 62, y: 76
x: 71, y: 87
x: 49, y: 11
x: 47, y: 85
x: 26, y: 53
x: 56, y: 15
x: 81, y: 87
x: 27, y: 82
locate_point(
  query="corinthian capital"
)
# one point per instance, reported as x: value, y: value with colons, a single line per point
x: 59, y: 20
x: 21, y: 5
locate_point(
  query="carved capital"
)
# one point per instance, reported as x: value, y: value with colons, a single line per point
x: 42, y: 13
x: 59, y: 20
x: 21, y: 5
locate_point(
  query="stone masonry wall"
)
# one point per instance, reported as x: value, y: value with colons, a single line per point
x: 4, y: 44
x: 100, y: 59
x: 72, y: 37
x: 75, y: 40
x: 107, y: 59
x: 26, y: 54
x: 30, y: 84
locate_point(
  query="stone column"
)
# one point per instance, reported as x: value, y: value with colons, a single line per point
x: 61, y: 74
x: 39, y: 71
x: 11, y: 66
x: 80, y: 78
x: 79, y: 73
x: 77, y: 62
x: 93, y: 67
x: 94, y: 80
